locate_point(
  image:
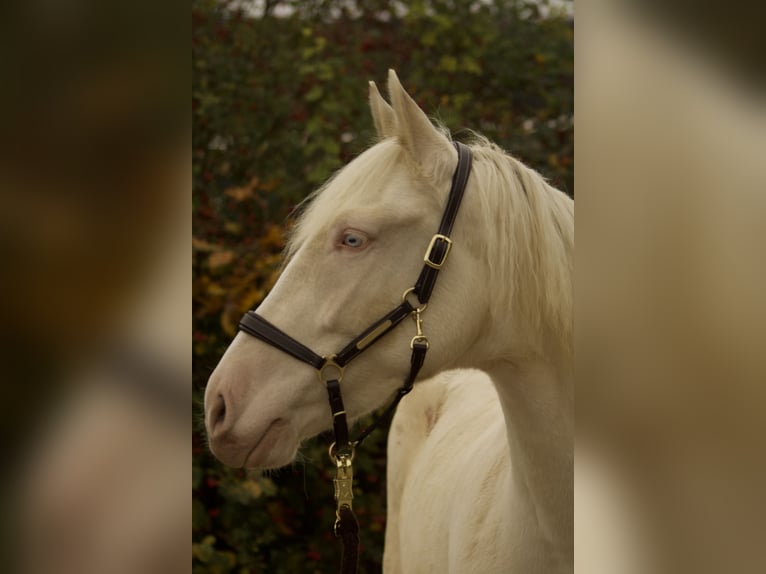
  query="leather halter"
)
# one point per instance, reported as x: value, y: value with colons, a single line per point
x: 330, y: 369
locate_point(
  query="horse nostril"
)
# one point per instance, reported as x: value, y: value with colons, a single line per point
x: 219, y: 413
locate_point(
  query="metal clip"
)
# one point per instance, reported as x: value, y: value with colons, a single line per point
x: 325, y: 372
x: 412, y: 290
x: 419, y: 326
x: 344, y: 484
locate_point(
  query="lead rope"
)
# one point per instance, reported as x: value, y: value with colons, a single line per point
x: 346, y: 526
x: 342, y: 450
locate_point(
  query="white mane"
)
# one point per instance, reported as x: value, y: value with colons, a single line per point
x: 529, y: 242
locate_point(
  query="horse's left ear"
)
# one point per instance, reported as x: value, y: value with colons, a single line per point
x: 430, y: 148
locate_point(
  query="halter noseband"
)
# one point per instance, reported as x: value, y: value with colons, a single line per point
x: 330, y: 369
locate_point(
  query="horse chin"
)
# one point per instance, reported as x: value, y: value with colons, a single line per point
x: 277, y: 447
x: 273, y: 448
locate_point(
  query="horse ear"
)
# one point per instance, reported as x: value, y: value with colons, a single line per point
x: 382, y: 114
x: 426, y: 145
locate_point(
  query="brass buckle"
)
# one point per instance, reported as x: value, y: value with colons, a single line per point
x: 427, y: 258
x: 329, y: 362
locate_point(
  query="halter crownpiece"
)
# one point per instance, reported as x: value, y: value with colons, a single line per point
x: 331, y: 369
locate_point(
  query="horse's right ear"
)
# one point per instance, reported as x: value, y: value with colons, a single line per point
x: 427, y: 146
x: 382, y: 114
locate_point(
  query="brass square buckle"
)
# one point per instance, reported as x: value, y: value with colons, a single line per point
x: 428, y: 260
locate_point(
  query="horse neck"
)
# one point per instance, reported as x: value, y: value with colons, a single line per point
x: 537, y: 401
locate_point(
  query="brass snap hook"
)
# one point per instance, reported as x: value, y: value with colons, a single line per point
x: 344, y: 458
x: 343, y: 482
x: 419, y: 326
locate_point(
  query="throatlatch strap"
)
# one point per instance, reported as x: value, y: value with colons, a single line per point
x: 427, y: 279
x: 348, y: 532
x: 255, y: 325
x: 419, y: 350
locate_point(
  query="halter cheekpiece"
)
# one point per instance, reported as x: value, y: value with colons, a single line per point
x: 331, y: 369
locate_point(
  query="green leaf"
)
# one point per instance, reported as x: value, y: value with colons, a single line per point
x: 314, y: 94
x: 448, y: 63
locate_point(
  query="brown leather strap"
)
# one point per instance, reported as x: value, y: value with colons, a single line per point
x: 427, y: 279
x: 348, y: 532
x: 339, y: 421
x: 374, y: 332
x: 419, y: 350
x: 255, y: 325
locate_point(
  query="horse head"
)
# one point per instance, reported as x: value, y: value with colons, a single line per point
x: 355, y: 250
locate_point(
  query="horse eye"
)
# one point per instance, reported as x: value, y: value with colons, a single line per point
x: 354, y: 239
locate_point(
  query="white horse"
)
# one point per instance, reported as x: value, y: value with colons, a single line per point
x: 480, y: 471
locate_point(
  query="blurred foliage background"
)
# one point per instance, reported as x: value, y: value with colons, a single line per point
x: 279, y: 102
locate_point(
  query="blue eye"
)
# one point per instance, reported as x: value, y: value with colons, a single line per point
x: 354, y: 239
